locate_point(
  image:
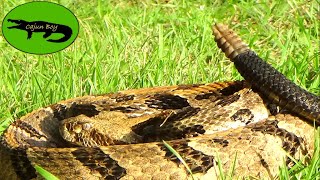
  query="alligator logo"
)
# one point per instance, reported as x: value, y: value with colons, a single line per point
x: 42, y: 26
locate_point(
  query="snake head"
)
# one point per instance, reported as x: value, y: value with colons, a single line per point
x: 94, y: 131
x: 78, y: 131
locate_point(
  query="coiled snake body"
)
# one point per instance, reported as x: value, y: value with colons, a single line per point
x: 118, y: 135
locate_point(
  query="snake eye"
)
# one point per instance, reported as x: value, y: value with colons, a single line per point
x: 77, y: 128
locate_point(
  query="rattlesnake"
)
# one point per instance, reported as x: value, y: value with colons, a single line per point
x: 118, y: 135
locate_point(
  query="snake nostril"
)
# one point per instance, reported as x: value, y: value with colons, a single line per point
x: 86, y: 126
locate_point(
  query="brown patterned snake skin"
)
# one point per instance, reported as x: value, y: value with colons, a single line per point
x: 118, y: 135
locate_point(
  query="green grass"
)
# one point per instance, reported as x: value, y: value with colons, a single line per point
x: 133, y: 44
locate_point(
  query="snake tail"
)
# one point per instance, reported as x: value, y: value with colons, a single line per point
x: 227, y: 40
x: 266, y: 79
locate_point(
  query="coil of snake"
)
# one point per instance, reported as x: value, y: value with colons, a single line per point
x: 118, y: 135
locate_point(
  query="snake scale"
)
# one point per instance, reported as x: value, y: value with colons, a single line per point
x: 236, y: 125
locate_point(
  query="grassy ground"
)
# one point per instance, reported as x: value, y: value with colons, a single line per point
x: 135, y: 44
